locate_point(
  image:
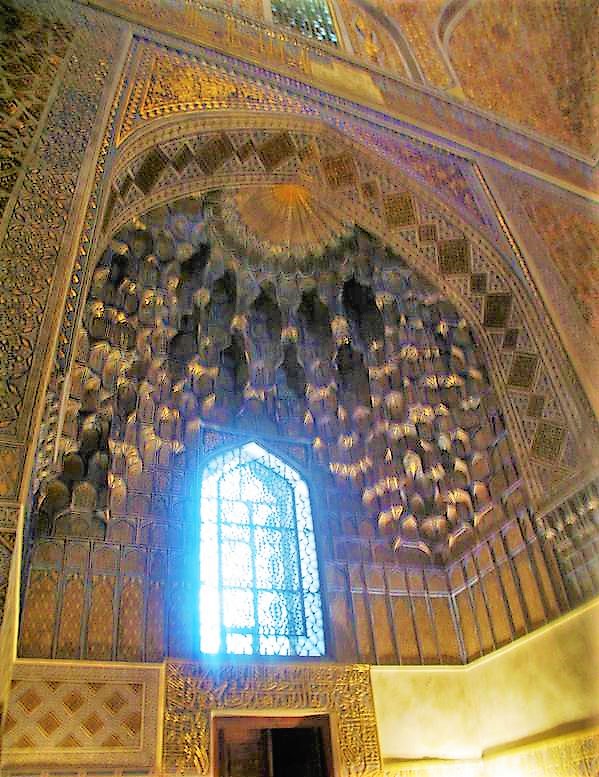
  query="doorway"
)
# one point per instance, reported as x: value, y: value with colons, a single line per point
x: 274, y: 747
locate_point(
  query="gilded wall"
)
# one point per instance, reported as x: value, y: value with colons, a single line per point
x: 118, y: 108
x: 388, y: 720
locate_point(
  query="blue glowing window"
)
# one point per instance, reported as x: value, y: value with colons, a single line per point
x: 312, y: 18
x: 259, y: 583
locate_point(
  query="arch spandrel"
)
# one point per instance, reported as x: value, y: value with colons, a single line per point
x: 197, y: 85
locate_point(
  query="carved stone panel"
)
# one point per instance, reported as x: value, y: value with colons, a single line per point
x: 81, y: 715
x: 194, y: 693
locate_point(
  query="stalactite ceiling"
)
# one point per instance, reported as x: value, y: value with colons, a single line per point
x: 196, y: 319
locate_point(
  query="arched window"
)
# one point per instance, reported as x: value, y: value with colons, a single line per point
x: 312, y: 18
x: 259, y: 583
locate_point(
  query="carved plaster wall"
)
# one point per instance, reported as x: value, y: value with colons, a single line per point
x: 195, y: 693
x: 84, y: 716
x: 56, y: 65
x: 165, y: 151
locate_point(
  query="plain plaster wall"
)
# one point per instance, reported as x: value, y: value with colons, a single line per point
x: 544, y: 682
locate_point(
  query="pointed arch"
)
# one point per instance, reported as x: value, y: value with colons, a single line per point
x: 368, y: 190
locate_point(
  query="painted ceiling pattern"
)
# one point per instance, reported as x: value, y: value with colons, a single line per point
x: 534, y: 63
x: 417, y: 21
x: 374, y: 42
x: 571, y: 236
x: 334, y: 70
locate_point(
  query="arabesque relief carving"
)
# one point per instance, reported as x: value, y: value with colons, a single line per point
x: 52, y: 80
x: 195, y: 692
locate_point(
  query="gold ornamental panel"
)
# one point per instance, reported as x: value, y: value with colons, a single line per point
x: 195, y: 692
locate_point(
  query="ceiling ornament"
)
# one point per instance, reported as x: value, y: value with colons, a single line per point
x: 571, y: 236
x: 285, y: 220
x: 431, y: 237
x: 554, y: 59
x: 357, y: 355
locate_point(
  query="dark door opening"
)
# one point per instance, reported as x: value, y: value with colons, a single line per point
x: 274, y: 747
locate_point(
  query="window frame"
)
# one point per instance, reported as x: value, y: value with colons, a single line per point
x: 310, y: 476
x: 340, y: 44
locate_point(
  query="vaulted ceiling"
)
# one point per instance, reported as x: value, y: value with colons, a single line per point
x: 531, y: 62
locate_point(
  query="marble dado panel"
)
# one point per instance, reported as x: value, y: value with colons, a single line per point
x: 80, y: 715
x: 113, y: 720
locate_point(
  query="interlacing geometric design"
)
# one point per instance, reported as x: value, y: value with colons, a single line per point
x: 312, y: 18
x: 81, y: 714
x: 259, y: 582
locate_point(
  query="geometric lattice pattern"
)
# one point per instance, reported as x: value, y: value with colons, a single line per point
x: 399, y: 210
x: 255, y: 514
x: 454, y: 257
x: 74, y: 715
x: 524, y: 366
x: 310, y: 17
x: 548, y: 441
x: 80, y: 714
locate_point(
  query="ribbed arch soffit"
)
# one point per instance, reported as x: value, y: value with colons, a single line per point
x: 159, y: 164
x: 450, y: 16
